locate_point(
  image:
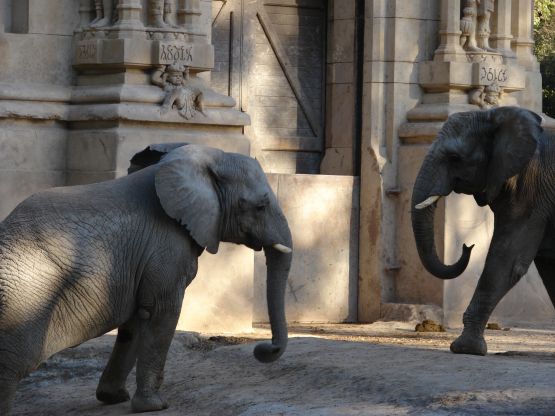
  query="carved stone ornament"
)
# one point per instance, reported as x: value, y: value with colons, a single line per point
x: 105, y: 13
x: 486, y: 96
x: 475, y: 25
x: 159, y: 11
x: 182, y: 91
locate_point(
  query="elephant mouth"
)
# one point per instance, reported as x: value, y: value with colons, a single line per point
x: 253, y: 243
x: 481, y: 198
x: 277, y: 246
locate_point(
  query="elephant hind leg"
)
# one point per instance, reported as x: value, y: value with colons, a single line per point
x: 111, y: 388
x: 156, y: 335
x: 546, y: 269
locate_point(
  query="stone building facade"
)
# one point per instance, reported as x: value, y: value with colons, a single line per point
x: 337, y: 99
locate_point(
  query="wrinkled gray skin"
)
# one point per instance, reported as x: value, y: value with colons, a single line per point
x: 79, y: 261
x: 506, y: 161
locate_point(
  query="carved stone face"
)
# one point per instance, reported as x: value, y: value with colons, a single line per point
x: 175, y: 78
x: 492, y: 97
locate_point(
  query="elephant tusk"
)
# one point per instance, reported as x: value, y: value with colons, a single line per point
x: 429, y: 201
x: 282, y: 248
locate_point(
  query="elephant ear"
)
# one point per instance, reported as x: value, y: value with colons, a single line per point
x: 516, y: 133
x: 185, y: 184
x: 151, y: 155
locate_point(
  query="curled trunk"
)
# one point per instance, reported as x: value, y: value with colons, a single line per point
x: 431, y: 181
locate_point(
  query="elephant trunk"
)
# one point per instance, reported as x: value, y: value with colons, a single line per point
x: 278, y: 263
x: 429, y: 186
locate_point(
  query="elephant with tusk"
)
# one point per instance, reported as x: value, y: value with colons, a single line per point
x: 77, y: 262
x: 505, y: 160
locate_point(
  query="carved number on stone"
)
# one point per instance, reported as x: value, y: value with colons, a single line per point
x: 491, y: 74
x: 87, y: 51
x: 172, y: 53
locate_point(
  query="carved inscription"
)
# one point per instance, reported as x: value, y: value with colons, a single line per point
x: 489, y: 74
x: 87, y: 51
x: 170, y: 53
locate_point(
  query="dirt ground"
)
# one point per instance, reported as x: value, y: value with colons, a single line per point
x: 379, y: 369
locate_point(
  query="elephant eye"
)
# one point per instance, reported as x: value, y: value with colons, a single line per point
x: 243, y: 205
x: 260, y: 208
x: 454, y: 158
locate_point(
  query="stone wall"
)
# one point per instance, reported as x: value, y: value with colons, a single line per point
x: 35, y: 72
x: 399, y: 35
x: 77, y: 102
x: 322, y: 211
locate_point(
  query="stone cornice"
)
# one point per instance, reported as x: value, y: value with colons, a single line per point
x: 117, y: 102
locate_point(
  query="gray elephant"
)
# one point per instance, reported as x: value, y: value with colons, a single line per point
x: 503, y: 158
x: 76, y: 262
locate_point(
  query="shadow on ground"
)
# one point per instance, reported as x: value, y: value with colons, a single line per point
x: 383, y: 369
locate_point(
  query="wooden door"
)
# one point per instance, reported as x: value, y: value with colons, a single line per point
x: 270, y: 56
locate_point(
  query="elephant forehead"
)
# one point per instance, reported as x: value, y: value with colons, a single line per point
x: 244, y: 169
x: 463, y: 144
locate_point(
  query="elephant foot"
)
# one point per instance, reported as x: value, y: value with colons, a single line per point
x: 469, y: 344
x: 112, y: 396
x: 7, y: 394
x: 141, y: 403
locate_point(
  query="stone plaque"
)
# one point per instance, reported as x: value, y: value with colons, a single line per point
x: 169, y: 53
x: 143, y: 53
x: 488, y: 73
x: 87, y: 52
x: 183, y: 53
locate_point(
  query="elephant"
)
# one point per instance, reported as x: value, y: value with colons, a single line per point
x: 79, y: 261
x: 505, y: 160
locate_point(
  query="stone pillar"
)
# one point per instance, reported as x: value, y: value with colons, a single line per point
x: 86, y: 8
x: 341, y: 89
x: 188, y: 14
x: 2, y: 16
x: 129, y: 18
x: 502, y: 24
x: 449, y: 30
x: 523, y: 43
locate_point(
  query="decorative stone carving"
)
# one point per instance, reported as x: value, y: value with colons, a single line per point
x: 182, y: 91
x: 475, y: 25
x: 104, y: 13
x: 468, y: 25
x: 486, y: 96
x: 485, y: 10
x: 160, y: 13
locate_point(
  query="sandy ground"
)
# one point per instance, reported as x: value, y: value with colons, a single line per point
x: 378, y: 369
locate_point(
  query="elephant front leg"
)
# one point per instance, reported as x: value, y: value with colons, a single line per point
x: 512, y: 249
x: 111, y: 388
x: 546, y: 269
x: 8, y: 388
x: 155, y: 338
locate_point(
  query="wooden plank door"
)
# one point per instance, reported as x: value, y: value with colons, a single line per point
x: 270, y: 56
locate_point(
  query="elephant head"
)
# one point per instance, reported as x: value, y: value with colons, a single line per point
x: 475, y: 153
x: 219, y: 196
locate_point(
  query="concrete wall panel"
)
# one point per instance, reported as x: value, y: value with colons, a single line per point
x: 322, y: 212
